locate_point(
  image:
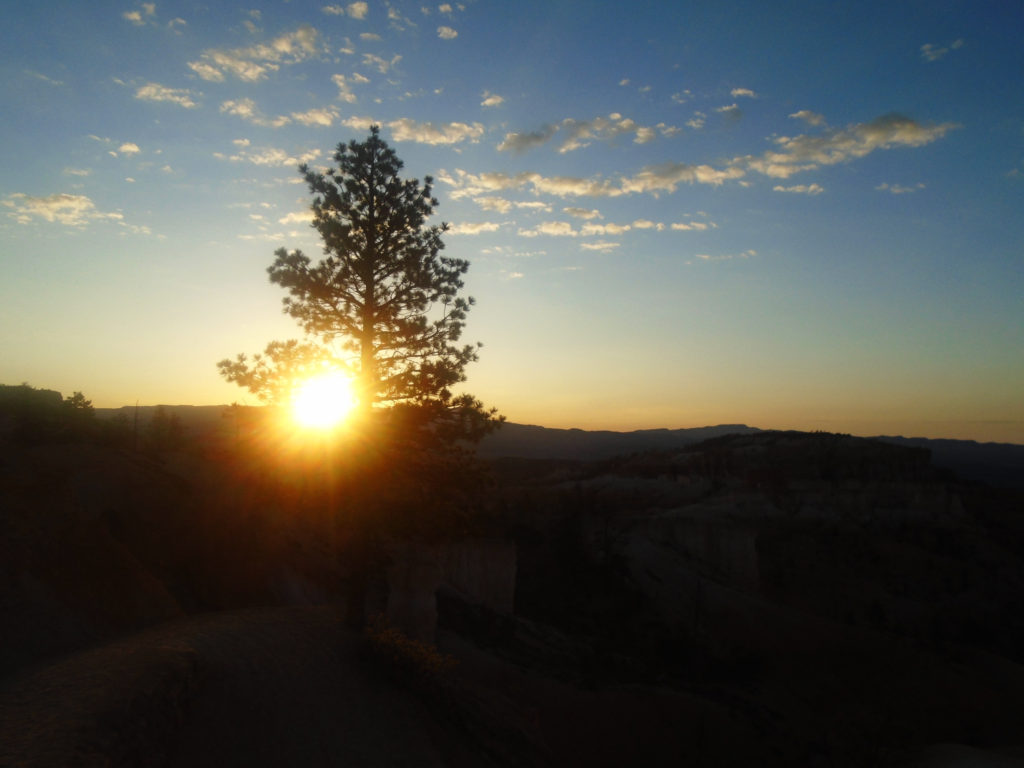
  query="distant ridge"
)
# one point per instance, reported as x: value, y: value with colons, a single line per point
x: 532, y: 442
x: 996, y: 464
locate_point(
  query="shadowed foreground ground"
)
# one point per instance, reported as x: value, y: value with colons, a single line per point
x: 277, y: 686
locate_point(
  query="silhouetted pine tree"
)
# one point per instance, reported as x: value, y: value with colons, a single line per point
x: 383, y: 303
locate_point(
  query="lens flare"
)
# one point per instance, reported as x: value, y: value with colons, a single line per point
x: 323, y: 401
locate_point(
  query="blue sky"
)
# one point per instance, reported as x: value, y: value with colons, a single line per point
x: 798, y: 215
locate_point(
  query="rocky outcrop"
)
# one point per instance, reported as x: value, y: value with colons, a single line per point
x: 481, y: 571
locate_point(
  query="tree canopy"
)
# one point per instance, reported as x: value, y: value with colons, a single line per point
x: 383, y: 303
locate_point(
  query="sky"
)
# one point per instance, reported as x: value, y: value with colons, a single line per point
x: 794, y: 215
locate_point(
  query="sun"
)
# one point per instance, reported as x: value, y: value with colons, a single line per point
x: 323, y: 401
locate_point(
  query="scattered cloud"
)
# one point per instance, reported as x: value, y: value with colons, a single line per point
x: 406, y: 129
x: 726, y: 256
x: 697, y: 121
x: 681, y: 97
x: 344, y: 90
x: 354, y: 10
x: 491, y: 99
x: 270, y: 156
x: 604, y: 229
x: 583, y: 213
x: 551, y: 229
x: 252, y: 63
x: 731, y: 111
x: 59, y: 208
x: 129, y: 148
x: 931, y: 52
x: 791, y: 155
x: 651, y: 180
x: 248, y: 111
x: 742, y: 92
x: 522, y: 142
x: 176, y: 24
x: 357, y: 123
x: 580, y: 133
x: 899, y: 189
x: 381, y: 65
x: 811, y: 118
x: 802, y: 153
x: 473, y: 229
x: 691, y: 226
x: 501, y: 205
x: 138, y: 17
x: 298, y: 217
x: 800, y: 189
x: 156, y: 92
x: 323, y: 117
x: 648, y: 224
x: 447, y: 33
x: 599, y: 245
x: 77, y: 171
x: 370, y: 36
x: 667, y: 176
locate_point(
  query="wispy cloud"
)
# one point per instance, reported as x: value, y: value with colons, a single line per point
x: 931, y: 52
x: 252, y: 63
x: 156, y: 92
x: 800, y: 189
x: 899, y: 189
x: 44, y: 78
x: 727, y: 256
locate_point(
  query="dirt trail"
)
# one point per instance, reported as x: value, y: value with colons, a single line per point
x: 260, y: 687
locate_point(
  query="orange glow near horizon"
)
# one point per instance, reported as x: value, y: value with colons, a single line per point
x: 323, y: 401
